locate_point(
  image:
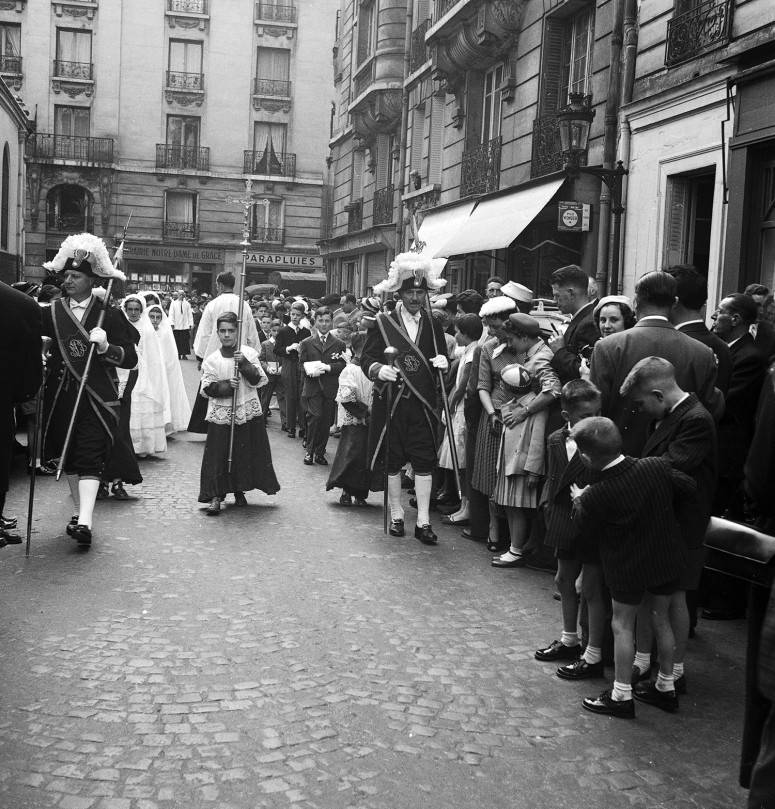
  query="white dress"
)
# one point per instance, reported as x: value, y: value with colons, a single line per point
x: 458, y: 419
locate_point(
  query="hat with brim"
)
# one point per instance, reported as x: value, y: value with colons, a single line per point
x: 517, y: 292
x: 523, y: 324
x: 499, y: 306
x: 617, y: 299
x: 412, y: 271
x: 86, y: 253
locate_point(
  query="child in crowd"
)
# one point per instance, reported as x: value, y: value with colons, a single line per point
x: 684, y: 434
x: 350, y: 469
x: 575, y: 553
x: 271, y: 364
x: 630, y: 510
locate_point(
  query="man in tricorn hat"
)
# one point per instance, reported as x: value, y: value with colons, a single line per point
x: 414, y: 419
x: 71, y: 322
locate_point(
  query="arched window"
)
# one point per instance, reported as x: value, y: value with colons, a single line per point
x: 69, y: 209
x: 5, y: 201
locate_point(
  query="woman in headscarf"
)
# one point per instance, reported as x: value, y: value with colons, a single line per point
x: 150, y: 415
x: 180, y: 409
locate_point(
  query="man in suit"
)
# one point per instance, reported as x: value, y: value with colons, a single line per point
x: 760, y: 464
x: 691, y: 290
x: 320, y: 384
x: 652, y: 336
x: 21, y: 369
x: 731, y: 322
x: 414, y: 417
x: 182, y: 321
x: 762, y: 331
x: 570, y: 286
x: 286, y: 347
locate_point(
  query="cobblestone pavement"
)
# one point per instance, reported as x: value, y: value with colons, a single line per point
x: 288, y: 654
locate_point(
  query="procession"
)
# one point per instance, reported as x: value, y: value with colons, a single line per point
x: 388, y: 404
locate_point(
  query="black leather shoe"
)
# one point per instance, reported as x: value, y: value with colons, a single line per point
x: 396, y: 528
x: 345, y: 499
x: 518, y: 561
x: 648, y: 693
x: 119, y: 492
x: 82, y: 535
x: 10, y: 539
x: 321, y: 460
x: 467, y: 533
x: 102, y: 492
x: 291, y: 433
x: 361, y: 502
x: 240, y: 499
x: 70, y: 527
x: 638, y: 677
x: 722, y: 614
x: 425, y: 534
x: 609, y: 707
x: 680, y: 684
x: 308, y: 459
x: 557, y: 650
x: 580, y: 670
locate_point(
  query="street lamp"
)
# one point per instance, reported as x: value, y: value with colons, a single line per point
x: 574, y: 122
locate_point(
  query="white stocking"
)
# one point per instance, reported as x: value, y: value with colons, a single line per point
x: 87, y: 492
x: 394, y: 497
x: 423, y: 485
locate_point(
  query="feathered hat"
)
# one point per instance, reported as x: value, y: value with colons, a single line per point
x: 412, y: 271
x: 84, y: 253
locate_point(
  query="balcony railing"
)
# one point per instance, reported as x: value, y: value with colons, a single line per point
x: 481, y: 169
x: 706, y: 25
x: 354, y: 216
x: 179, y: 230
x: 42, y: 146
x: 271, y: 87
x: 182, y: 157
x: 442, y: 7
x: 177, y: 80
x: 269, y: 162
x: 187, y: 6
x: 547, y: 155
x: 11, y: 64
x: 73, y: 70
x: 365, y: 77
x: 419, y: 53
x: 383, y: 205
x: 264, y: 235
x: 271, y: 13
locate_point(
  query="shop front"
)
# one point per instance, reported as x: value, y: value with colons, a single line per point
x: 357, y: 262
x: 166, y: 268
x: 261, y: 266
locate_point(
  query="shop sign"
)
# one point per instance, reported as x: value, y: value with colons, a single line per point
x: 286, y: 261
x: 574, y: 216
x: 160, y: 252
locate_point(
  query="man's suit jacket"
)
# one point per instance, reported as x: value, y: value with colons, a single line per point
x: 760, y: 464
x: 765, y: 339
x: 615, y: 355
x: 581, y: 332
x: 286, y: 336
x: 737, y: 425
x: 700, y: 332
x: 686, y: 438
x: 326, y: 384
x: 20, y: 349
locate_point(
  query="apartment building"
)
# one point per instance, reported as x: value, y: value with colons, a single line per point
x: 162, y: 109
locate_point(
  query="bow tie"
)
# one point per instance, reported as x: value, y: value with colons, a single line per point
x: 82, y: 305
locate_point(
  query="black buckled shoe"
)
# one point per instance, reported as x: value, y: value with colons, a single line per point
x: 119, y: 492
x: 70, y: 527
x: 308, y: 459
x: 82, y: 535
x: 648, y: 693
x: 580, y: 670
x: 345, y: 499
x: 605, y: 705
x: 639, y: 676
x: 240, y: 499
x: 425, y: 534
x: 321, y: 460
x: 102, y: 492
x: 291, y: 433
x: 557, y: 650
x: 10, y: 539
x: 396, y: 528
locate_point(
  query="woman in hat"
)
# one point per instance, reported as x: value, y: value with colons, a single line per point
x: 532, y: 386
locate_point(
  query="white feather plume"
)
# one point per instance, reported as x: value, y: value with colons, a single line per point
x: 497, y: 306
x: 412, y: 265
x: 88, y: 247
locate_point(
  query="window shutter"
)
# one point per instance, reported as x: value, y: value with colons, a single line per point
x: 423, y: 12
x: 383, y: 156
x: 553, y: 68
x: 676, y: 221
x: 418, y: 135
x: 357, y: 182
x: 436, y: 139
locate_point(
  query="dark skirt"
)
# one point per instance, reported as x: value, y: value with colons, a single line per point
x: 197, y: 423
x: 182, y: 340
x: 251, y: 466
x: 485, y: 470
x: 122, y: 463
x: 350, y: 469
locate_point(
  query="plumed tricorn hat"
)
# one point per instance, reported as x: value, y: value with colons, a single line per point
x: 412, y: 271
x: 86, y: 253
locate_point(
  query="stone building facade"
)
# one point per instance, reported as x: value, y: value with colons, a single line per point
x: 162, y: 109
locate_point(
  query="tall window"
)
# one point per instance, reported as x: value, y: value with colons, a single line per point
x: 268, y: 221
x: 69, y: 209
x: 183, y: 131
x: 417, y: 152
x: 73, y: 48
x: 436, y: 137
x: 10, y: 48
x: 491, y: 103
x: 688, y: 219
x: 579, y: 65
x: 367, y: 30
x: 185, y: 64
x: 5, y: 199
x: 357, y: 175
x: 268, y: 136
x: 273, y: 71
x: 72, y: 121
x: 180, y: 214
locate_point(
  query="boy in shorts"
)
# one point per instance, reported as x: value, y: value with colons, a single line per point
x: 630, y: 509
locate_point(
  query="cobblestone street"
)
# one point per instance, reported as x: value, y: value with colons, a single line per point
x: 289, y: 654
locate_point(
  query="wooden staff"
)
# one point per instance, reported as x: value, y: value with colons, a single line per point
x: 45, y: 345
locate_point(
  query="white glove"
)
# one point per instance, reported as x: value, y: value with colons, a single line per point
x: 440, y: 361
x: 387, y: 373
x: 325, y: 369
x: 577, y: 491
x: 293, y: 347
x: 100, y: 339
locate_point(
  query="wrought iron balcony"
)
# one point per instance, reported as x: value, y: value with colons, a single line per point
x: 182, y: 157
x: 270, y: 163
x: 179, y: 230
x: 365, y: 77
x: 481, y: 168
x: 42, y: 147
x: 354, y: 216
x: 383, y: 205
x: 187, y: 6
x: 264, y: 235
x: 73, y: 70
x: 547, y: 153
x: 11, y: 65
x: 271, y: 87
x: 707, y: 25
x: 269, y: 12
x: 177, y: 80
x: 419, y: 52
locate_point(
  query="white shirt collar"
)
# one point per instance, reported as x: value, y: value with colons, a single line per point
x: 407, y: 315
x: 82, y: 305
x: 689, y: 323
x: 653, y: 317
x: 616, y: 461
x: 680, y: 401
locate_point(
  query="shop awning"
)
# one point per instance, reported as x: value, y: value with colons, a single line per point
x: 494, y: 223
x: 439, y: 225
